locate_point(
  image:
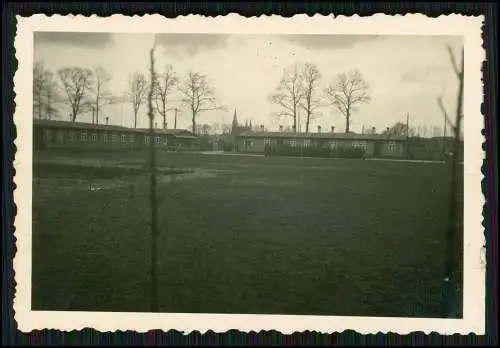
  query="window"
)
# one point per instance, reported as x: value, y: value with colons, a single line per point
x: 248, y: 143
x: 333, y: 145
x: 307, y: 142
x: 71, y: 136
x: 105, y: 138
x: 123, y: 139
x: 48, y: 136
x: 359, y: 145
x: 393, y: 146
x: 147, y: 139
x: 114, y: 138
x: 84, y: 136
x: 267, y: 141
x: 94, y: 137
x: 292, y: 142
x: 158, y: 139
x: 131, y: 138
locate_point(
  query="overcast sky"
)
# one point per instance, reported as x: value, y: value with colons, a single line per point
x: 405, y: 73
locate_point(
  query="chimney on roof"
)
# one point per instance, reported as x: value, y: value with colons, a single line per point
x: 281, y: 128
x: 319, y: 129
x: 262, y: 127
x: 333, y: 129
x: 387, y: 129
x: 374, y: 130
x: 107, y: 120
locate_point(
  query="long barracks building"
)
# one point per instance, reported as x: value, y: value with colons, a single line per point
x: 78, y: 135
x: 373, y: 145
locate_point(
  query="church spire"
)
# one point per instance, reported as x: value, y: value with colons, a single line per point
x: 235, y: 123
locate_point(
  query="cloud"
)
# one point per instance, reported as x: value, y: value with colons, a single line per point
x: 190, y: 44
x: 426, y: 75
x: 91, y: 40
x: 326, y: 41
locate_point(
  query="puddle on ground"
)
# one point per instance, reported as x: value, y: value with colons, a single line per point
x: 179, y: 174
x: 260, y: 182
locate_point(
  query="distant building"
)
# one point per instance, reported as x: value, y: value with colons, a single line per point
x: 236, y: 128
x: 372, y: 145
x: 78, y: 135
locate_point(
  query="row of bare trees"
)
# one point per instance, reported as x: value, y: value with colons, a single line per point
x: 300, y: 90
x: 79, y: 88
x: 83, y: 89
x: 196, y: 94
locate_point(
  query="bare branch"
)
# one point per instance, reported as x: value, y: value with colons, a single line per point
x: 348, y: 91
x: 164, y: 85
x: 198, y: 96
x: 454, y: 64
x: 445, y: 114
x: 76, y: 82
x: 138, y: 92
x: 290, y: 93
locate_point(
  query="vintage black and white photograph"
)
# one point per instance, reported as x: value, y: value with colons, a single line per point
x: 290, y: 174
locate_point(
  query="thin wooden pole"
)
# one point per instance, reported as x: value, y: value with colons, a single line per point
x: 153, y: 198
x: 452, y: 235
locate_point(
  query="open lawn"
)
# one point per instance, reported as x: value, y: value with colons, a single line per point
x: 240, y: 235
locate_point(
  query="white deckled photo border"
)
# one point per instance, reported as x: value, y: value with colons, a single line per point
x: 468, y: 27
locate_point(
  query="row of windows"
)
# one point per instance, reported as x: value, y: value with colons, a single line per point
x: 94, y: 137
x: 392, y: 146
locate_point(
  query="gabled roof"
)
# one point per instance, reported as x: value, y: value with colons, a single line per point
x: 166, y: 131
x: 93, y: 126
x: 292, y: 135
x: 77, y: 125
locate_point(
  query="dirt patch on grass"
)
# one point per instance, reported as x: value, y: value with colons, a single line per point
x: 77, y: 171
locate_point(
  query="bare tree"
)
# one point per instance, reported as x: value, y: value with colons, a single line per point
x: 51, y: 95
x: 153, y: 185
x: 198, y: 96
x: 399, y: 129
x: 311, y: 101
x: 455, y: 215
x: 348, y: 91
x: 76, y: 82
x: 164, y: 85
x: 289, y: 94
x: 139, y: 88
x: 38, y: 87
x: 102, y: 95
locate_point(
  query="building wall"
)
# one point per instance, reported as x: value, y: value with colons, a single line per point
x: 376, y: 148
x: 59, y: 137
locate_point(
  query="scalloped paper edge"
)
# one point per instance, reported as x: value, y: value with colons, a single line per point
x: 469, y: 27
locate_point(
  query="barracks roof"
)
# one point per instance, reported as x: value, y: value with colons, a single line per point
x: 93, y: 126
x: 354, y: 136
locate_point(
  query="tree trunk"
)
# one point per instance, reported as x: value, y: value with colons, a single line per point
x: 97, y: 112
x: 164, y: 114
x: 49, y: 97
x: 39, y: 97
x: 135, y: 119
x: 307, y: 122
x: 193, y: 120
x: 294, y: 119
x: 347, y: 122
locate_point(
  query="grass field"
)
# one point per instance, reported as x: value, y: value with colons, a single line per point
x: 240, y: 235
